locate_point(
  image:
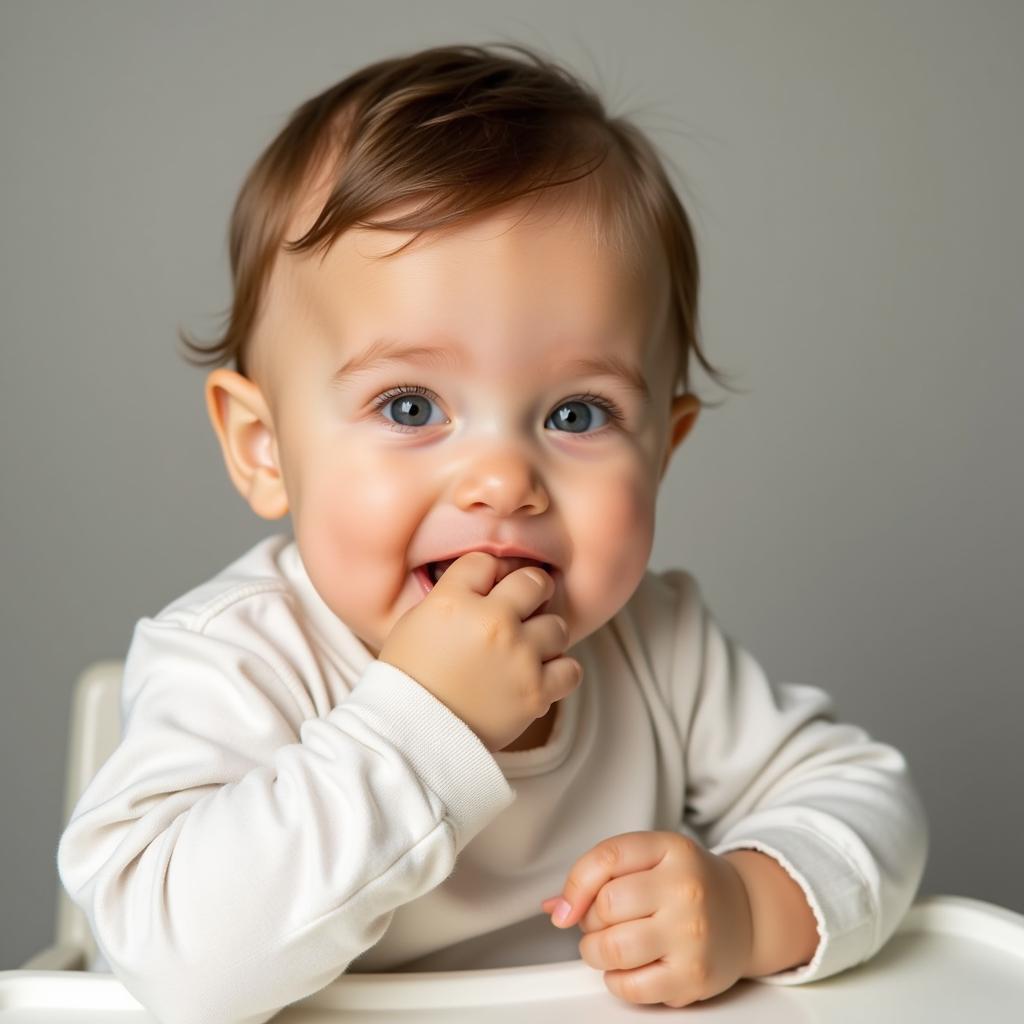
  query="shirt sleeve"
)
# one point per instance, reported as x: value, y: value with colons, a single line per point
x: 237, y: 851
x: 768, y: 768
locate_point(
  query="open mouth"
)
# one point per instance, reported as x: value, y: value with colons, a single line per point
x: 429, y: 574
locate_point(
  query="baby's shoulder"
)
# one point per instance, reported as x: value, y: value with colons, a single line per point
x: 240, y: 634
x: 258, y: 574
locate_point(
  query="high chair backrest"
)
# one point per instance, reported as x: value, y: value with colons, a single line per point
x: 95, y: 732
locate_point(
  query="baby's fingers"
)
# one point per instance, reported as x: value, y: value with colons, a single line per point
x: 623, y: 946
x: 524, y: 590
x: 623, y: 854
x: 549, y: 635
x: 561, y: 677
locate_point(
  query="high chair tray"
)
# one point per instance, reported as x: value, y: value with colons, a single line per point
x: 952, y: 959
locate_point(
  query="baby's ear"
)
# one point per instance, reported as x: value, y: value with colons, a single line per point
x: 683, y: 415
x: 243, y: 425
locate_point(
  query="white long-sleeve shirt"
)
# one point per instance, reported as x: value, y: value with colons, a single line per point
x: 283, y: 807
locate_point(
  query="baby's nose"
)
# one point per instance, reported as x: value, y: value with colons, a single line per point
x: 503, y: 481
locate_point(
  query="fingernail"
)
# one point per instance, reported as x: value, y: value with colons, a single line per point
x: 561, y: 913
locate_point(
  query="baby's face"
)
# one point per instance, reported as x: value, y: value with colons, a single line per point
x: 493, y: 431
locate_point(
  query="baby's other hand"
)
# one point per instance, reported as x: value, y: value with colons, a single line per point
x: 666, y: 920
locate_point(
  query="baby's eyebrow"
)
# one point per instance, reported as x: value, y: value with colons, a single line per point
x: 390, y: 350
x: 629, y: 376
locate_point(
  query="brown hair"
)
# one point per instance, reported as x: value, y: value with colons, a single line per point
x: 464, y: 130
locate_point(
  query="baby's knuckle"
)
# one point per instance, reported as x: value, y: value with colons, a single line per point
x: 497, y: 630
x: 699, y: 927
x: 605, y: 903
x: 611, y: 949
x: 608, y: 856
x: 531, y: 690
x: 588, y: 951
x: 700, y: 972
x: 573, y: 890
x: 690, y: 892
x: 685, y: 848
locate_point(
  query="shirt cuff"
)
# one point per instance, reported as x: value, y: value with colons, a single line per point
x: 836, y: 892
x: 442, y: 750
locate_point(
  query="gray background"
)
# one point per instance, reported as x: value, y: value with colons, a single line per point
x: 854, y: 174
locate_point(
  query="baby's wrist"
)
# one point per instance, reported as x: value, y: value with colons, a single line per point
x: 745, y: 912
x: 784, y: 933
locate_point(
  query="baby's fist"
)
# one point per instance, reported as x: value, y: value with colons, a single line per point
x: 666, y: 920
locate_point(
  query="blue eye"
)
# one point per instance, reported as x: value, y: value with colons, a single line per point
x: 409, y: 402
x: 573, y: 413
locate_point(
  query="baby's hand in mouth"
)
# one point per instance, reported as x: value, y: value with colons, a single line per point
x: 482, y: 644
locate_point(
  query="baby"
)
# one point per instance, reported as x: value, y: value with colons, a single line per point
x: 454, y: 721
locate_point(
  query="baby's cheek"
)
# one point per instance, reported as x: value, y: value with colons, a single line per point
x: 333, y: 537
x: 628, y: 557
x: 352, y: 510
x: 614, y: 545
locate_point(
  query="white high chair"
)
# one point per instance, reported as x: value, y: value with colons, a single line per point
x: 95, y: 732
x: 952, y: 958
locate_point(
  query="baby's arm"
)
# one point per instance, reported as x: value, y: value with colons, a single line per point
x: 242, y: 846
x: 768, y: 769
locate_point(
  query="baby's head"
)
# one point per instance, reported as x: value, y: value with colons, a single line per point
x: 465, y: 309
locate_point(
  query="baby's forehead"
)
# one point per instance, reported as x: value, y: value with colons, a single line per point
x: 509, y: 275
x: 550, y: 263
